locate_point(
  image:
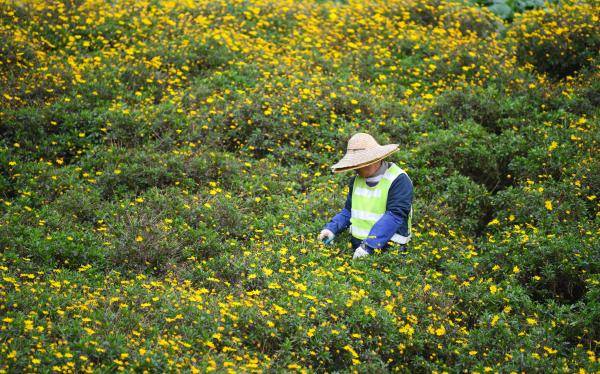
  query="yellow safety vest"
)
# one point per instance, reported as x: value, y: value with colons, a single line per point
x: 369, y: 205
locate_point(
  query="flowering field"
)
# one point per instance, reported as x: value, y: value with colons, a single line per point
x: 164, y: 173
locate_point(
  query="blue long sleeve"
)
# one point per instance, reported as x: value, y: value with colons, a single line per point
x: 395, y: 219
x: 341, y: 221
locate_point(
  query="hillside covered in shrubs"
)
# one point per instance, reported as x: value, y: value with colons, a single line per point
x: 164, y: 173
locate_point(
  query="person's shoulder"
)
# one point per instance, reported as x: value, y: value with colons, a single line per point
x: 351, y: 180
x: 402, y: 178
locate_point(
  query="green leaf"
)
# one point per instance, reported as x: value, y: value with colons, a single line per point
x: 501, y: 10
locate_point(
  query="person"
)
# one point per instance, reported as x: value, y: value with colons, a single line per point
x: 378, y: 206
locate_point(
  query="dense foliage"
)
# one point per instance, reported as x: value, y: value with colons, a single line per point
x: 164, y: 172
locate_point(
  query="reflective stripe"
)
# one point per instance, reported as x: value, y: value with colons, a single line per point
x: 359, y: 233
x: 363, y: 214
x: 359, y: 191
x: 400, y: 239
x: 363, y: 234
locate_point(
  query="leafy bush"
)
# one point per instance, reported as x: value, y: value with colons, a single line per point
x: 424, y: 13
x: 131, y: 173
x: 468, y: 203
x: 464, y: 147
x: 79, y: 205
x: 487, y: 106
x: 548, y: 266
x: 151, y: 232
x: 558, y: 40
x: 588, y: 319
x: 70, y: 247
x: 476, y: 20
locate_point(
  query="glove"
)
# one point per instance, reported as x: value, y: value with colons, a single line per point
x: 326, y: 236
x: 361, y: 251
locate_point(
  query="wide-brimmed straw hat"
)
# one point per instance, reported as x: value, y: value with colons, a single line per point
x: 363, y: 150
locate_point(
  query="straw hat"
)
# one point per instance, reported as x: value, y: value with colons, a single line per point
x: 363, y: 150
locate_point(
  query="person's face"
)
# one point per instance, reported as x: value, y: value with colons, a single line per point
x: 367, y: 171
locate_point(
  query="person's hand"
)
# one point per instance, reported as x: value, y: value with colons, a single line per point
x: 326, y: 236
x: 361, y: 251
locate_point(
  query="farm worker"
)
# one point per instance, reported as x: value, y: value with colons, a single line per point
x: 378, y: 207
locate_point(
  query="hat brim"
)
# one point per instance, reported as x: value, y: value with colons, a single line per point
x: 356, y: 160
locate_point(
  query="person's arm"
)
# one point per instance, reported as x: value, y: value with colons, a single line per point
x: 398, y: 206
x: 341, y: 221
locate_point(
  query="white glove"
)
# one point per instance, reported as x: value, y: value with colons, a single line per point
x: 326, y: 235
x: 360, y: 252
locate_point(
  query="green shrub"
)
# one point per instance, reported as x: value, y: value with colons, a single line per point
x: 468, y: 61
x: 206, y: 166
x: 588, y: 315
x: 549, y: 266
x: 69, y: 248
x: 15, y: 55
x: 488, y: 106
x: 158, y: 125
x: 467, y: 203
x: 79, y: 204
x: 480, y: 21
x: 62, y: 130
x: 530, y: 205
x: 151, y: 232
x: 127, y: 172
x: 44, y: 183
x: 584, y: 100
x: 558, y: 40
x: 464, y: 147
x: 424, y: 13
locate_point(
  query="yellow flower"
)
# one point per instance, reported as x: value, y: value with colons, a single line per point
x: 550, y: 350
x: 494, y: 320
x: 351, y: 350
x: 548, y: 204
x: 440, y: 330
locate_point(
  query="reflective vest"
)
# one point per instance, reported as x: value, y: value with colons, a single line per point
x: 369, y: 205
